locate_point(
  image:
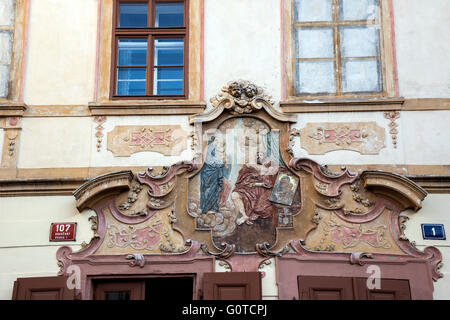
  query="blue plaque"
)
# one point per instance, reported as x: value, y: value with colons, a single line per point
x: 433, y: 231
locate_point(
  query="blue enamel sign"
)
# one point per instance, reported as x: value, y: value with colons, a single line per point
x: 433, y: 231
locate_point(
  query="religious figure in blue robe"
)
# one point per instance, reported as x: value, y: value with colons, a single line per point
x: 212, y: 176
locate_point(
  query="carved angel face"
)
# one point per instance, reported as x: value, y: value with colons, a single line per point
x: 235, y: 90
x: 251, y: 90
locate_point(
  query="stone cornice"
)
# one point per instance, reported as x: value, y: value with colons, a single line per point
x: 97, y: 188
x: 396, y: 187
x: 20, y: 187
x: 12, y: 109
x: 146, y: 108
x: 368, y: 105
x: 39, y: 187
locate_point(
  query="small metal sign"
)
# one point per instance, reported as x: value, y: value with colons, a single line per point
x: 433, y: 231
x: 63, y: 231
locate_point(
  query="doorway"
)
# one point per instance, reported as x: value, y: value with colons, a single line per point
x: 149, y: 289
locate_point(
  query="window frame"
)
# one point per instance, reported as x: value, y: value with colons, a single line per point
x: 386, y: 56
x: 151, y: 33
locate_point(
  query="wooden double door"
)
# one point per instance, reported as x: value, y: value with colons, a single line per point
x: 215, y: 286
x: 346, y: 288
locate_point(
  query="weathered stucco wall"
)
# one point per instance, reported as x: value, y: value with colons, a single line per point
x: 106, y: 158
x: 55, y: 142
x: 60, y: 60
x: 25, y: 249
x: 434, y: 211
x: 423, y: 48
x: 242, y: 41
x: 421, y: 139
x: 52, y: 142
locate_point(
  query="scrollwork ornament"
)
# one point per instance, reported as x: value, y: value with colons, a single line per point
x: 316, y: 218
x: 224, y: 265
x: 402, y: 225
x: 264, y: 250
x: 94, y: 225
x: 133, y: 195
x: 227, y: 250
x: 294, y: 132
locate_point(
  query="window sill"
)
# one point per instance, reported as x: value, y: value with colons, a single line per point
x: 363, y: 104
x: 146, y: 107
x: 342, y: 105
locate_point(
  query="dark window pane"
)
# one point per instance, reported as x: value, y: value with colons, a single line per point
x: 131, y: 81
x: 168, y: 52
x: 119, y: 295
x: 169, y: 14
x: 132, y: 52
x: 168, y: 81
x: 133, y: 14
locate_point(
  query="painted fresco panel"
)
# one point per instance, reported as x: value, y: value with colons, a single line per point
x: 244, y: 190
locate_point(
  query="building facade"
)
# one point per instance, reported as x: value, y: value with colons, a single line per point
x: 276, y: 145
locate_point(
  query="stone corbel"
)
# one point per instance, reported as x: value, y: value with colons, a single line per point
x: 12, y: 128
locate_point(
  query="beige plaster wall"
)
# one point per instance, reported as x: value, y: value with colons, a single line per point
x: 147, y: 158
x: 25, y: 249
x: 242, y: 41
x: 434, y: 211
x: 60, y: 58
x: 55, y: 142
x: 423, y: 47
x: 422, y: 138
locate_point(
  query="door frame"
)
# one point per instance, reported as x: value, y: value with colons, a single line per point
x: 92, y: 266
x: 417, y: 271
x: 133, y: 277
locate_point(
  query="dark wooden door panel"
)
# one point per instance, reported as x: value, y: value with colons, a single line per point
x: 342, y: 288
x: 232, y: 286
x: 325, y: 288
x: 42, y: 288
x: 390, y: 289
x: 231, y: 292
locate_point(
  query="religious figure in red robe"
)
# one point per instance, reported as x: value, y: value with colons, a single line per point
x: 253, y: 188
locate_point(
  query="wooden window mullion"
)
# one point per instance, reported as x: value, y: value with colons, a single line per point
x: 151, y: 63
x: 150, y: 19
x: 150, y: 11
x: 337, y: 48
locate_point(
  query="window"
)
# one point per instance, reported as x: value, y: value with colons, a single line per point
x: 149, y: 46
x: 337, y: 48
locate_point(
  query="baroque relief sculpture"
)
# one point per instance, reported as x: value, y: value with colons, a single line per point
x: 170, y: 140
x: 245, y: 199
x: 363, y: 137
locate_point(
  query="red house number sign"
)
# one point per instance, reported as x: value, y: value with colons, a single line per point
x: 65, y: 231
